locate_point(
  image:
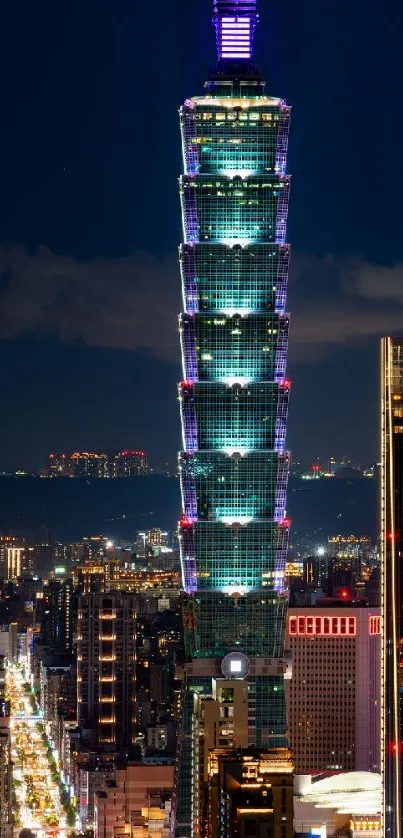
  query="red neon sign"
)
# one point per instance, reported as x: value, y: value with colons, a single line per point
x: 318, y: 626
x: 374, y: 625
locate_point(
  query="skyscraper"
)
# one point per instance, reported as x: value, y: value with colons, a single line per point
x: 234, y: 394
x: 106, y: 655
x: 392, y: 582
x: 334, y: 692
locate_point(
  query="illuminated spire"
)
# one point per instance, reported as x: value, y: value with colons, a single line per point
x: 235, y: 22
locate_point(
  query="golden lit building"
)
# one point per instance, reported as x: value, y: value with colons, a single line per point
x: 106, y: 659
x: 392, y: 582
x: 136, y: 803
x: 249, y: 793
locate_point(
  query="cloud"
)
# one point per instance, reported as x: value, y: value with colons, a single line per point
x: 132, y: 303
x: 128, y: 303
x: 342, y: 301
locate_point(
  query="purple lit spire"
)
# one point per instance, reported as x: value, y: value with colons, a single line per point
x: 235, y: 22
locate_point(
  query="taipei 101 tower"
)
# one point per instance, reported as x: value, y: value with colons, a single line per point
x: 233, y: 402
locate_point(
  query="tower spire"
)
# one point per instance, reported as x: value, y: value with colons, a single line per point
x: 235, y: 22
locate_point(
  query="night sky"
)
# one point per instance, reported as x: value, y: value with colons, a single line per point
x: 90, y: 219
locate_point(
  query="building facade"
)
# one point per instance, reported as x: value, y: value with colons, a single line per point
x: 106, y: 658
x: 392, y: 582
x: 334, y: 696
x: 136, y: 802
x: 234, y: 393
x: 250, y: 793
x: 12, y: 557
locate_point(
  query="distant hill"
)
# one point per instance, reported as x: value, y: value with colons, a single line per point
x: 66, y: 510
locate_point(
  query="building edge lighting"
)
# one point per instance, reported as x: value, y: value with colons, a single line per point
x: 233, y: 397
x: 391, y: 583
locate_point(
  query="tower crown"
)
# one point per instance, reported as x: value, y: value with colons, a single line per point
x: 235, y: 22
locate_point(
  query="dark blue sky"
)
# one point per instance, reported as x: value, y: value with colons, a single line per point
x: 89, y: 216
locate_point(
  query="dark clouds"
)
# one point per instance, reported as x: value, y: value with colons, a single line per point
x: 132, y: 303
x: 341, y: 302
x: 128, y: 303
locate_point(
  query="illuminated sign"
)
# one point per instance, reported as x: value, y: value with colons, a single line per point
x: 374, y: 625
x: 322, y: 626
x: 60, y: 570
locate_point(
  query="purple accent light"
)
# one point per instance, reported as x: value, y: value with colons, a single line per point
x: 189, y: 209
x: 281, y: 558
x: 189, y: 496
x: 189, y: 280
x: 189, y: 419
x: 191, y: 150
x: 188, y: 561
x: 282, y: 211
x: 281, y: 421
x: 235, y: 22
x: 281, y: 354
x: 282, y: 279
x: 282, y: 140
x: 188, y: 344
x: 281, y: 488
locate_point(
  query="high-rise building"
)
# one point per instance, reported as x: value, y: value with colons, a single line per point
x: 127, y: 463
x: 106, y: 656
x: 57, y: 613
x: 250, y: 793
x: 12, y: 557
x: 234, y: 394
x: 392, y: 583
x: 334, y: 691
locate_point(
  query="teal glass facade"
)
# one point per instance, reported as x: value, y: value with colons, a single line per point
x: 234, y: 395
x: 234, y: 332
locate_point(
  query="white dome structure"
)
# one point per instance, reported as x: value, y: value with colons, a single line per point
x: 350, y: 793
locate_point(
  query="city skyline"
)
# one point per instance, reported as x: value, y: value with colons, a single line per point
x: 81, y: 163
x: 238, y: 674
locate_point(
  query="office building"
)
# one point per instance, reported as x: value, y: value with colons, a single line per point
x: 234, y: 392
x: 392, y: 582
x: 106, y: 654
x: 334, y: 693
x: 56, y: 612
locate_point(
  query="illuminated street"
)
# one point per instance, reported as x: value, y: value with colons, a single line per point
x: 36, y: 780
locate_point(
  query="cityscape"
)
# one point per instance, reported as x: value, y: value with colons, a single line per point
x: 201, y: 593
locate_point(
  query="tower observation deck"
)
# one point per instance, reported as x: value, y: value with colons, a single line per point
x: 234, y: 394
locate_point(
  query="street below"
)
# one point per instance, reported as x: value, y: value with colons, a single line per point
x: 36, y: 781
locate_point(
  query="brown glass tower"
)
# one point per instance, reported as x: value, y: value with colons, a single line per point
x: 392, y: 582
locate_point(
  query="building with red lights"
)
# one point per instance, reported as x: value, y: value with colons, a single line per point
x: 392, y: 583
x: 97, y: 464
x: 333, y: 696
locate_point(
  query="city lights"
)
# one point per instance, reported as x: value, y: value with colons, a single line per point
x: 35, y: 771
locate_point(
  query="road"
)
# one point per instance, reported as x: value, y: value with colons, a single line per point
x: 36, y: 786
